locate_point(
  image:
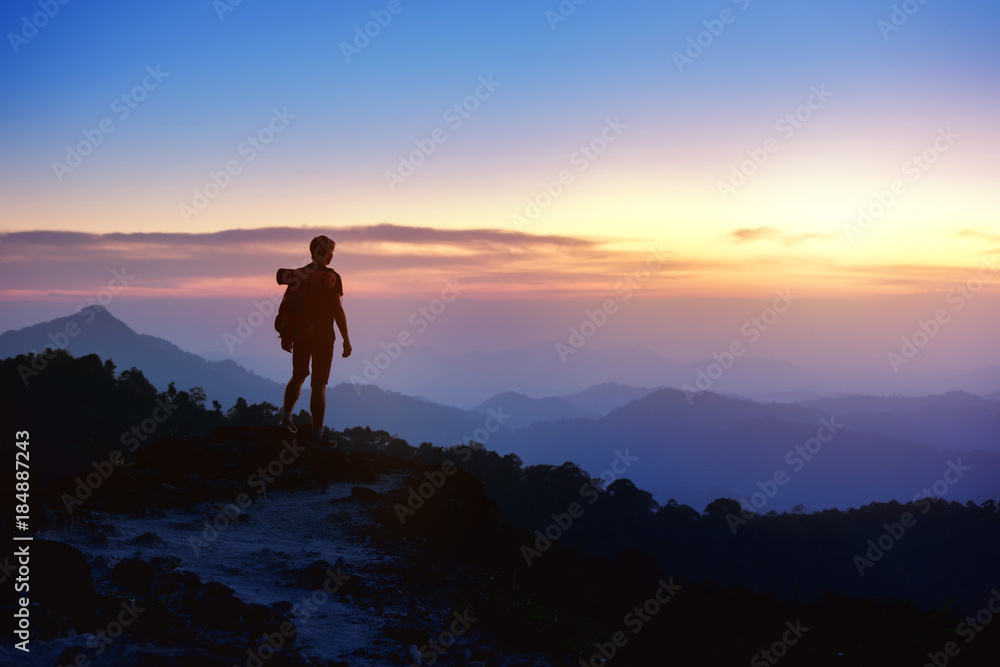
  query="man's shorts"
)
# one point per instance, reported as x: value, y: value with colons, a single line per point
x: 321, y: 353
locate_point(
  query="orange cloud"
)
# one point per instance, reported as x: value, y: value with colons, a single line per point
x: 379, y: 260
x: 751, y: 234
x: 390, y: 261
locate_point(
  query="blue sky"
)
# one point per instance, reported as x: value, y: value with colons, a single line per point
x: 560, y: 85
x: 606, y: 58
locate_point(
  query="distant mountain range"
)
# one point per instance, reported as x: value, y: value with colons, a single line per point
x: 601, y: 399
x: 98, y: 332
x: 719, y: 446
x: 956, y: 420
x: 593, y: 402
x: 536, y: 370
x: 162, y: 362
x: 693, y: 451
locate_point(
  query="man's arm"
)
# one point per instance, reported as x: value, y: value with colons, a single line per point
x: 341, y: 319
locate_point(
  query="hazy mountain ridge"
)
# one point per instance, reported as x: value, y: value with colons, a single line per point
x: 525, y: 410
x: 535, y: 368
x: 413, y: 419
x: 861, y: 404
x: 955, y: 420
x: 722, y: 443
x: 695, y: 451
x: 593, y: 402
x: 601, y: 399
x: 160, y: 360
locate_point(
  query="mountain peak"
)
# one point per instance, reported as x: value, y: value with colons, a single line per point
x: 94, y: 330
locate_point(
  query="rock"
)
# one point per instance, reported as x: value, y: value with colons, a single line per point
x: 134, y: 575
x: 313, y: 576
x: 364, y: 495
x: 149, y: 540
x: 109, y: 530
x: 61, y: 584
x: 167, y: 563
x: 283, y: 607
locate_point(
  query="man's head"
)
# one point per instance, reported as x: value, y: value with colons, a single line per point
x: 321, y: 248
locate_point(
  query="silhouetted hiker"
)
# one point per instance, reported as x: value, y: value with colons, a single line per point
x: 308, y: 333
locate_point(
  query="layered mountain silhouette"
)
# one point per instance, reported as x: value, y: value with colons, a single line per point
x: 592, y: 402
x: 692, y: 450
x: 602, y: 398
x: 224, y: 540
x: 720, y: 446
x: 539, y: 367
x: 525, y: 410
x: 101, y: 333
x: 162, y: 362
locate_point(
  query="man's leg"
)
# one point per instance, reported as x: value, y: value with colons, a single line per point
x: 321, y: 361
x: 300, y: 370
x: 292, y: 391
x: 317, y: 406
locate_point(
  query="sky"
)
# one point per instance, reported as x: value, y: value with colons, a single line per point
x: 699, y: 153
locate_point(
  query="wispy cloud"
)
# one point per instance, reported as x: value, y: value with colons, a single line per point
x: 394, y: 261
x: 992, y: 237
x: 751, y: 234
x: 382, y: 259
x: 911, y: 278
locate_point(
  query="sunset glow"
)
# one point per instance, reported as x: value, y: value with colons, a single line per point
x: 199, y: 150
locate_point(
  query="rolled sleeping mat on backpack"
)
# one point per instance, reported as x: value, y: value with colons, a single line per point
x: 292, y: 276
x: 325, y: 279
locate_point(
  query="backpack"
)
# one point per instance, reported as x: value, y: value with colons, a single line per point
x: 293, y: 319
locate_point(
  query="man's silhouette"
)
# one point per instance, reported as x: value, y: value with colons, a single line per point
x: 315, y: 336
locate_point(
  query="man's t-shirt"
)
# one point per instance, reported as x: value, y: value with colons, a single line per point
x: 321, y: 325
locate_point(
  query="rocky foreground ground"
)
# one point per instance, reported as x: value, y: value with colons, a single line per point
x: 252, y: 548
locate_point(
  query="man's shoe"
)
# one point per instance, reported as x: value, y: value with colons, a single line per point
x: 290, y: 425
x: 324, y: 441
